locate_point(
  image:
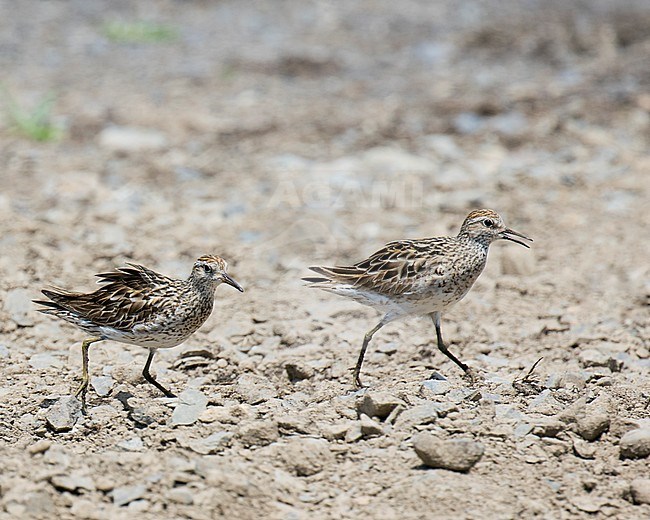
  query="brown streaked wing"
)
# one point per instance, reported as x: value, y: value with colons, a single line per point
x: 394, y: 269
x: 130, y: 296
x: 134, y: 276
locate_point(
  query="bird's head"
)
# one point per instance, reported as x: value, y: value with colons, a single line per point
x: 211, y: 269
x: 486, y: 226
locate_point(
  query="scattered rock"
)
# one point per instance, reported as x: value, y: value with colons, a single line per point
x: 583, y: 449
x: 62, y: 415
x: 354, y: 432
x: 596, y: 358
x: 568, y: 380
x: 191, y: 404
x: 640, y: 491
x: 259, y: 433
x: 126, y: 494
x: 588, y: 421
x: 38, y: 504
x: 39, y: 447
x: 378, y: 404
x: 72, y: 483
x: 370, y: 428
x: 294, y: 423
x: 588, y: 503
x: 455, y: 455
x: 18, y: 305
x: 422, y: 414
x: 102, y: 385
x: 619, y: 426
x: 298, y: 371
x: 434, y: 387
x: 592, y: 425
x: 545, y: 404
x: 335, y: 431
x: 181, y: 495
x: 548, y: 427
x: 57, y: 455
x: 129, y: 139
x: 387, y: 348
x: 255, y: 389
x: 133, y: 444
x: 306, y: 456
x: 635, y: 444
x: 213, y: 443
x: 44, y: 361
x: 522, y: 429
x: 508, y: 413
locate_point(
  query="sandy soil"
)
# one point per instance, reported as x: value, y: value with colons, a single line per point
x: 285, y: 134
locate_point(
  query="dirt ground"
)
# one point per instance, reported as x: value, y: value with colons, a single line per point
x: 286, y: 134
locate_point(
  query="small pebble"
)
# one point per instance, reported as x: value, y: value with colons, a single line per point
x: 435, y: 387
x: 124, y: 495
x: 387, y: 348
x: 592, y: 425
x: 378, y: 404
x: 335, y: 431
x: 354, y: 432
x: 635, y: 444
x: 214, y: 443
x: 72, y: 482
x: 370, y: 428
x: 181, y: 496
x: 259, y: 433
x: 588, y: 503
x: 62, y: 415
x: 255, y: 389
x: 583, y: 449
x: 44, y: 361
x: 306, y: 457
x: 133, y: 444
x: 548, y: 427
x: 102, y: 385
x: 640, y: 490
x: 39, y: 447
x: 455, y: 455
x: 298, y: 371
x: 191, y: 404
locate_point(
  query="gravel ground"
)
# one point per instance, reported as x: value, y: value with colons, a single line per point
x: 286, y: 134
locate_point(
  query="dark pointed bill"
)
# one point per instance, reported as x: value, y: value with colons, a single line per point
x: 231, y: 281
x: 508, y: 234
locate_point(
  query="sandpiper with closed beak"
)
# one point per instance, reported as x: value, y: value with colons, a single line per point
x: 139, y: 306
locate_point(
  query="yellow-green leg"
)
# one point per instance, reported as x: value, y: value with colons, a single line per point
x: 85, y: 379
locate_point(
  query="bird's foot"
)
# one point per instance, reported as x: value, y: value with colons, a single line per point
x: 81, y: 395
x: 474, y: 376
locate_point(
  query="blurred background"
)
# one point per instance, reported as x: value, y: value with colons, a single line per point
x: 283, y: 134
x: 160, y: 130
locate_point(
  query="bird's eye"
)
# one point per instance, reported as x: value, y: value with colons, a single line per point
x: 206, y: 268
x: 488, y: 223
